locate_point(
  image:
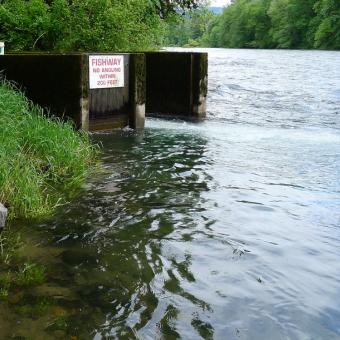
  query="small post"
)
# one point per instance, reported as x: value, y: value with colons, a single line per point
x: 2, y: 48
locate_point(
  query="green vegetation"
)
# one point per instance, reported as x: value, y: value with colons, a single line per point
x: 5, y: 283
x: 9, y: 244
x: 103, y: 25
x: 30, y: 274
x: 61, y: 25
x: 189, y: 29
x: 42, y: 160
x: 261, y: 24
x: 277, y: 24
x: 92, y: 25
x: 16, y: 271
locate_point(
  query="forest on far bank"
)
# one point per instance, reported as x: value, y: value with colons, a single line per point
x: 295, y: 24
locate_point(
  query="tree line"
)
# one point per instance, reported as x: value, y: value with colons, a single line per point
x: 292, y: 24
x: 79, y: 25
x: 277, y: 24
x: 189, y: 29
x: 103, y: 25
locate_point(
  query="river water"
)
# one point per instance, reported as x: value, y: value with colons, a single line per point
x: 224, y: 229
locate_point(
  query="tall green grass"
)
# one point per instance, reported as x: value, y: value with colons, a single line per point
x: 43, y: 161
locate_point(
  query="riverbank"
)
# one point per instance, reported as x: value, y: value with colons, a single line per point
x: 43, y: 161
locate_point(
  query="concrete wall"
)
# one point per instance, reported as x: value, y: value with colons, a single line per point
x: 176, y: 84
x: 173, y: 84
x: 52, y: 81
x: 60, y: 83
x: 121, y: 106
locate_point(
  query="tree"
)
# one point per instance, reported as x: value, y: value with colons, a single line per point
x: 278, y: 23
x: 23, y: 24
x: 167, y: 7
x: 291, y: 23
x: 327, y: 35
x: 243, y: 24
x: 212, y: 36
x: 77, y: 25
x: 189, y: 28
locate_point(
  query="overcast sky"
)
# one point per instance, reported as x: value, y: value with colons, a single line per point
x: 219, y: 3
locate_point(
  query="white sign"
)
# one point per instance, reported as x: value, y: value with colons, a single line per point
x: 106, y: 71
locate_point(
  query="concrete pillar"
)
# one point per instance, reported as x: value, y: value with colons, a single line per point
x: 199, y: 84
x: 137, y: 91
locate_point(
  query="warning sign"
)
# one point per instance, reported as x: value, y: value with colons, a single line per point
x: 106, y: 71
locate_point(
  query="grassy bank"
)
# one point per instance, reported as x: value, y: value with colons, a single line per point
x: 42, y: 160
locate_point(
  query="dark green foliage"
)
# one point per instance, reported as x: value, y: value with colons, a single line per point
x: 277, y: 24
x: 291, y: 23
x: 327, y: 23
x: 188, y: 29
x: 92, y: 25
x: 78, y: 25
x: 166, y: 7
x: 248, y: 24
x: 23, y: 23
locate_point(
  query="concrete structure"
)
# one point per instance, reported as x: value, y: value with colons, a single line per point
x: 52, y: 81
x: 119, y: 106
x: 176, y: 84
x: 161, y: 82
x: 60, y: 83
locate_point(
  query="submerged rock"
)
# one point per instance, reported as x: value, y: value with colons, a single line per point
x: 3, y: 215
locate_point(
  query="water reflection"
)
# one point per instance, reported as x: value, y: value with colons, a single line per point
x: 120, y: 240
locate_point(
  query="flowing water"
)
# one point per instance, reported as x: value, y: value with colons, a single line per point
x: 224, y: 229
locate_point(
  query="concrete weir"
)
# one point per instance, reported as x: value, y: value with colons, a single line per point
x: 102, y: 91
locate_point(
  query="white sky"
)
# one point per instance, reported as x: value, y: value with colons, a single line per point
x: 219, y: 3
